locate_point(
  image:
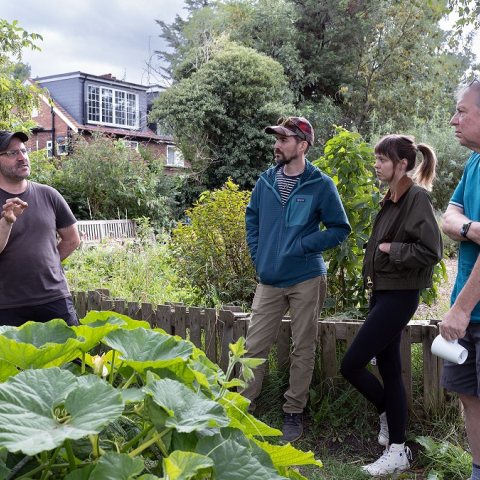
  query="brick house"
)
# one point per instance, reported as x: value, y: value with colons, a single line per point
x: 84, y: 103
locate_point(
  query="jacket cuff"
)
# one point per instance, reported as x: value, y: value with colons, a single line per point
x: 395, y: 255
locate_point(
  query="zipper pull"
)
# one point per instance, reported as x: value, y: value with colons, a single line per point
x: 369, y: 283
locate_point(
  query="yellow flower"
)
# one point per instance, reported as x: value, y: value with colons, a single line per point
x: 99, y: 366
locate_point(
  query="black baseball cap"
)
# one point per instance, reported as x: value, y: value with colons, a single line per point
x: 6, y: 137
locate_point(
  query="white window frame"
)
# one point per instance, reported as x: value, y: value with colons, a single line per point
x: 177, y: 157
x: 61, y: 149
x: 132, y: 144
x: 112, y: 107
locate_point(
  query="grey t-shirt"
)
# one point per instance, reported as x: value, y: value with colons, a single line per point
x: 30, y: 269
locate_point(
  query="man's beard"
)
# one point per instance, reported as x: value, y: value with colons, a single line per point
x: 10, y: 173
x: 282, y: 160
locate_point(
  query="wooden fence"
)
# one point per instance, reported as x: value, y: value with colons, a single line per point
x: 213, y: 330
x: 97, y: 230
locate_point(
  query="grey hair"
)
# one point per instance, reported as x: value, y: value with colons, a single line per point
x: 475, y: 86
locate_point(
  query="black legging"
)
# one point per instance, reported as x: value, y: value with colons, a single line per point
x: 380, y: 336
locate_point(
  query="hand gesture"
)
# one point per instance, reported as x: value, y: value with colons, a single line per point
x: 13, y: 208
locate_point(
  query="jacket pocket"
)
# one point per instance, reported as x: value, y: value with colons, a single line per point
x: 381, y: 262
x: 298, y: 210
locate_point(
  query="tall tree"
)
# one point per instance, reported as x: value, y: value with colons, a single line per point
x: 13, y: 94
x: 219, y: 112
x: 22, y: 71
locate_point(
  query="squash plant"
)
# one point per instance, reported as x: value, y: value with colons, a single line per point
x: 152, y: 407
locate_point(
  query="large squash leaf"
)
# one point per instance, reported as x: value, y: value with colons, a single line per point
x: 39, y: 409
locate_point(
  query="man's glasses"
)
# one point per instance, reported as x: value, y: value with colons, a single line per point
x: 14, y: 153
x: 473, y: 81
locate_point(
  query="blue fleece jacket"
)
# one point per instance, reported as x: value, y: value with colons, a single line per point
x: 286, y: 242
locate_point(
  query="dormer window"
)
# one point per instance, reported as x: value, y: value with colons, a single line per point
x: 107, y: 106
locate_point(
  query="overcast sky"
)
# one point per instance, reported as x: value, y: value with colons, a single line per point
x: 96, y: 36
x: 93, y: 36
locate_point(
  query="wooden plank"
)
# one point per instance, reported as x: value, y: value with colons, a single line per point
x: 164, y: 315
x: 148, y: 314
x: 341, y: 329
x: 240, y: 328
x: 106, y: 304
x: 120, y: 306
x: 132, y: 310
x: 431, y: 379
x: 232, y: 308
x: 211, y: 334
x: 81, y: 304
x: 195, y: 326
x: 406, y: 354
x: 93, y: 301
x: 226, y: 320
x: 180, y: 321
x: 283, y: 345
x: 351, y: 333
x: 329, y: 351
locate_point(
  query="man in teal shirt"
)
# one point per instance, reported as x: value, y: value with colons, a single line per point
x: 461, y: 222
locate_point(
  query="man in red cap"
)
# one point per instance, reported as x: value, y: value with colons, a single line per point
x: 33, y: 285
x: 283, y: 218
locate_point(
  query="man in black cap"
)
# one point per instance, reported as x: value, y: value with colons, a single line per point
x: 33, y: 285
x: 289, y: 202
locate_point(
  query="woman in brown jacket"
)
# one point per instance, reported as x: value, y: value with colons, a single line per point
x: 401, y: 253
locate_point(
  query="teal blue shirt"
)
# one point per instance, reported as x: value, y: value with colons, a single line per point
x: 467, y: 196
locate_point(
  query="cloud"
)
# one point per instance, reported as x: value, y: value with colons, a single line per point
x: 111, y: 36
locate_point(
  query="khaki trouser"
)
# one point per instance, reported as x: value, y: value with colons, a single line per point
x: 305, y: 301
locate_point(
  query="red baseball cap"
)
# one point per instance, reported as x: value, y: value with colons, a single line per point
x: 293, y: 126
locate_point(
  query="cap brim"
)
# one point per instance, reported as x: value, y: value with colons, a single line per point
x: 280, y: 131
x: 6, y: 141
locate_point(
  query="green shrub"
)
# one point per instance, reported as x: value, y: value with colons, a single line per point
x: 211, y: 252
x: 136, y: 271
x: 349, y: 162
x: 105, y: 179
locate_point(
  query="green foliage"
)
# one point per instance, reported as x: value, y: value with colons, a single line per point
x: 141, y: 409
x: 105, y: 178
x: 395, y: 58
x: 211, y: 251
x: 13, y: 94
x: 219, y: 112
x: 135, y: 271
x: 445, y: 460
x: 22, y: 71
x: 349, y: 161
x: 43, y: 169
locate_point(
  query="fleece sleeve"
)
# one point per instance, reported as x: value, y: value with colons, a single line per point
x: 252, y: 224
x: 334, y: 219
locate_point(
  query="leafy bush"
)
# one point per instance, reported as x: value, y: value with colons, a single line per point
x: 211, y: 252
x: 153, y: 407
x: 349, y: 162
x: 134, y: 270
x: 105, y: 178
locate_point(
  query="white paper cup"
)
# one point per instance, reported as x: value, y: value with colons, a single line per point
x: 449, y: 350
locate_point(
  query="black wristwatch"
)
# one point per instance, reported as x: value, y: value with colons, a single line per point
x: 465, y: 228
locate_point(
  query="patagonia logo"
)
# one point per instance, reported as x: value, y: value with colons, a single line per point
x: 300, y: 200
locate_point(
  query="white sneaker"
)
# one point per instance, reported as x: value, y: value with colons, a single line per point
x: 383, y: 434
x: 394, y: 460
